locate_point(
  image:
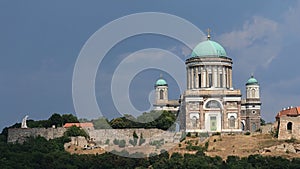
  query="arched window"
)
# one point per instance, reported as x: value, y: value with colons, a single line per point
x: 212, y: 104
x: 289, y: 126
x: 161, y: 94
x: 253, y: 92
x: 243, y: 126
x: 194, y: 121
x: 232, y: 122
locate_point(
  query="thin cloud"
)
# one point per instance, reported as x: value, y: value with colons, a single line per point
x: 256, y: 44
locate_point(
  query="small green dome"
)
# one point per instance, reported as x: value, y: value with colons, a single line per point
x: 252, y: 81
x: 161, y: 82
x: 209, y: 48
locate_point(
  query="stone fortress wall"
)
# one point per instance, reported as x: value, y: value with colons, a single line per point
x: 99, y: 136
x: 21, y: 134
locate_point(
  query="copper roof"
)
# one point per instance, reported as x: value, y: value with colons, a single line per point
x: 295, y: 111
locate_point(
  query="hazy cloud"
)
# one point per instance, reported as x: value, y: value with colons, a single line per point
x: 257, y: 43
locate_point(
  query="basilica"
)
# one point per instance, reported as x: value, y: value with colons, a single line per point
x: 210, y: 103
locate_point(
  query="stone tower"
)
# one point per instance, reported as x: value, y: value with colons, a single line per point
x: 161, y: 92
x: 251, y: 106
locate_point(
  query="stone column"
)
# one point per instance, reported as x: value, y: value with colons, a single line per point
x: 230, y: 78
x: 224, y: 77
x: 227, y: 80
x: 187, y: 78
x: 215, y: 76
x: 218, y: 77
x: 203, y: 79
x: 193, y: 78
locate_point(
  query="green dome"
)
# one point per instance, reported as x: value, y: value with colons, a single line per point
x: 161, y: 82
x: 252, y: 81
x: 209, y: 48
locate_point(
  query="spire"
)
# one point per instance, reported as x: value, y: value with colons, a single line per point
x: 161, y: 75
x: 208, y: 34
x: 252, y: 75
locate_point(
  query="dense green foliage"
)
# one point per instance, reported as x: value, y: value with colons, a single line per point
x: 154, y: 119
x: 74, y: 131
x: 40, y: 153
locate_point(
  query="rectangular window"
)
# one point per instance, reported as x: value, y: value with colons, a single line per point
x: 199, y: 78
x: 221, y: 80
x: 213, y: 123
x: 210, y: 80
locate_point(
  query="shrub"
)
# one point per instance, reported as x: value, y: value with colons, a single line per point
x: 292, y: 140
x: 206, y: 146
x: 194, y: 148
x: 216, y: 134
x: 116, y: 141
x: 157, y: 143
x: 122, y: 143
x: 142, y: 140
x: 188, y: 134
x: 107, y: 141
x: 133, y: 142
x: 247, y: 133
x: 134, y: 135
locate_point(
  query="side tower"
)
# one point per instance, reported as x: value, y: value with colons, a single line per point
x: 161, y: 94
x: 251, y: 106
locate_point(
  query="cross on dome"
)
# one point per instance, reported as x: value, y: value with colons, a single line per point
x: 208, y: 34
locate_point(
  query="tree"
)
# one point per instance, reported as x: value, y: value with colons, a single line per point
x: 101, y: 123
x: 74, y: 131
x: 142, y: 140
x: 262, y: 122
x: 56, y: 120
x: 69, y: 118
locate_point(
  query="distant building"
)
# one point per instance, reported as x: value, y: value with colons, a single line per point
x: 162, y: 101
x: 88, y: 126
x: 210, y: 103
x: 288, y: 123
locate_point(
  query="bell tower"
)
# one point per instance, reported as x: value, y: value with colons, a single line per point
x: 161, y: 92
x: 253, y: 105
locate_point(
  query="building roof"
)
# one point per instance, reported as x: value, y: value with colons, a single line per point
x: 161, y: 82
x: 82, y: 125
x: 173, y: 103
x: 295, y: 111
x: 209, y: 48
x: 251, y: 81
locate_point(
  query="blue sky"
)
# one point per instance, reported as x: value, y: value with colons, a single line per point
x: 41, y: 40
